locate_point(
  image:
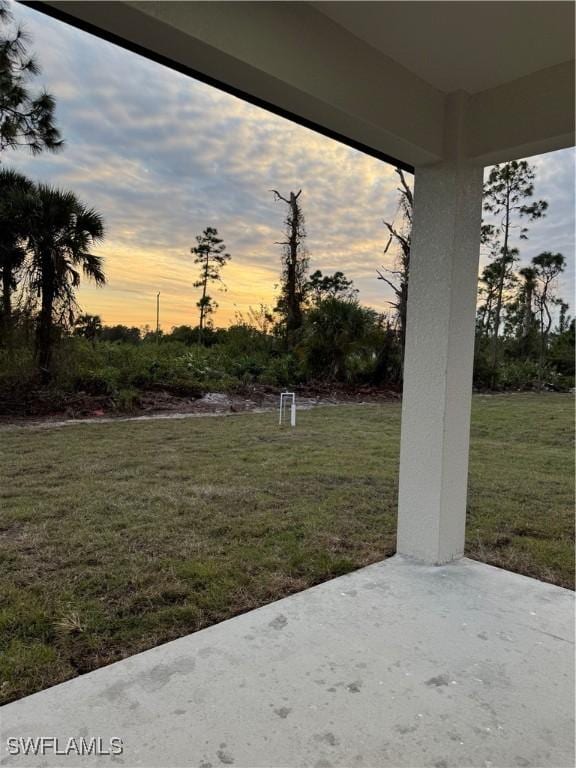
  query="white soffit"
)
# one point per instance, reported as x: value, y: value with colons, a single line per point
x: 470, y: 46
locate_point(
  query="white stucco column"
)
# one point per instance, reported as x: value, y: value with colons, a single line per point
x: 438, y: 361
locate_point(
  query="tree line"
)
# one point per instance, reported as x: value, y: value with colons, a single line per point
x: 318, y: 327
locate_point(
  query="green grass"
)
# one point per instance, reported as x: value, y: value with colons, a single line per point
x: 117, y: 537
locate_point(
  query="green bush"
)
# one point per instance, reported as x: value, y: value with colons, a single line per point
x: 282, y: 371
x: 101, y: 382
x: 525, y: 375
x: 340, y: 341
x: 518, y: 374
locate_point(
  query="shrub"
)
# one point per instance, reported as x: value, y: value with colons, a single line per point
x: 101, y: 382
x: 340, y: 340
x: 518, y: 374
x: 282, y: 371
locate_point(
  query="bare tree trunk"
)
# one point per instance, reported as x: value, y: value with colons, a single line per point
x: 541, y: 355
x: 45, y: 321
x: 294, y: 313
x: 498, y: 310
x: 527, y: 319
x: 203, y: 303
x: 402, y: 314
x: 293, y: 260
x: 544, y: 331
x: 6, y: 305
x: 401, y: 236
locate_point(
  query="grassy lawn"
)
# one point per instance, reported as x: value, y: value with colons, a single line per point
x: 117, y: 537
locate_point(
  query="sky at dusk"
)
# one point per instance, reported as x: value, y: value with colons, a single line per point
x: 163, y: 156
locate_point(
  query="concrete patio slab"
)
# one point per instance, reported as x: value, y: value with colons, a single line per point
x: 397, y: 664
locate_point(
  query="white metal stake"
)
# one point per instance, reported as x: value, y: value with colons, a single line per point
x: 285, y: 398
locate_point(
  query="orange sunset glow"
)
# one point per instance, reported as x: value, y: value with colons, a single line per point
x: 162, y: 156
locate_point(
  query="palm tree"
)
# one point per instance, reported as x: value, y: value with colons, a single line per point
x: 14, y: 190
x: 335, y: 331
x: 88, y: 326
x: 62, y: 231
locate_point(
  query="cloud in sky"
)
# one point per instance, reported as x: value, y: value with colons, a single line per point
x: 162, y: 156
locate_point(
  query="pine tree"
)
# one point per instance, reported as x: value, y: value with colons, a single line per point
x: 210, y: 254
x: 506, y: 192
x: 26, y: 118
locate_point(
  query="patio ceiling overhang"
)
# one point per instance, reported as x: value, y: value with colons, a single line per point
x: 379, y: 74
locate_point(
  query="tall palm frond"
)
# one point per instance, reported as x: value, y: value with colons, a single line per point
x: 62, y: 233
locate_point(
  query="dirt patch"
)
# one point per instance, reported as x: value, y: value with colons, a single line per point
x: 160, y: 404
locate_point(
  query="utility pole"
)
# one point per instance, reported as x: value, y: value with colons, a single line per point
x: 158, y: 317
